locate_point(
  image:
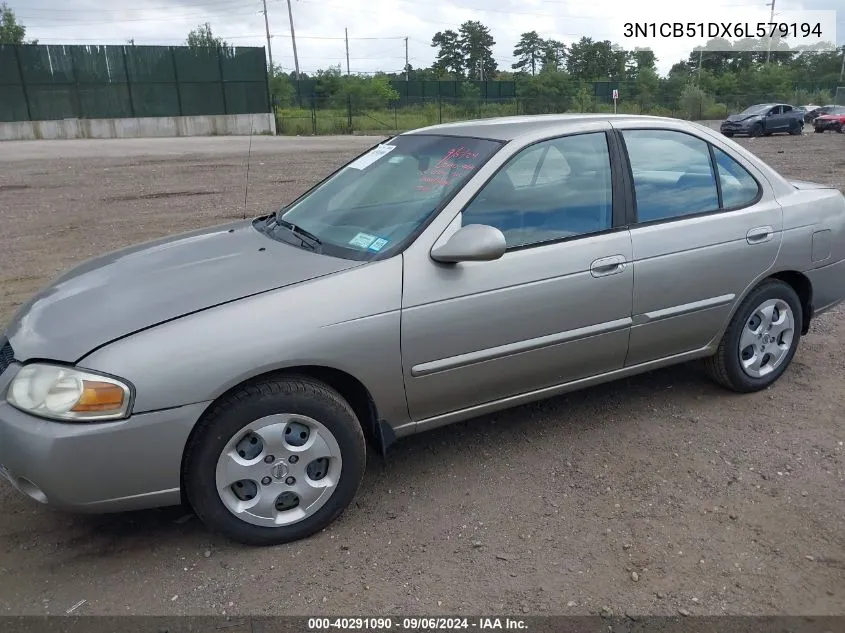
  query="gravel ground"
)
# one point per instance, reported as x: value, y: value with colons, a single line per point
x: 647, y: 496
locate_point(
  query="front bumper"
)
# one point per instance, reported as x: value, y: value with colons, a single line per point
x: 733, y: 128
x: 826, y: 125
x: 129, y: 464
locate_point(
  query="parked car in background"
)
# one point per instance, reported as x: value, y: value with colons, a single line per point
x: 834, y: 120
x: 448, y: 272
x: 818, y: 111
x: 764, y: 119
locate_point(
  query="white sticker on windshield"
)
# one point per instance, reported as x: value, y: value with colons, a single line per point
x: 362, y: 240
x: 378, y: 244
x: 372, y: 156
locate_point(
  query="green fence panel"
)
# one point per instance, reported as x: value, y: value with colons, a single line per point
x: 104, y: 101
x: 13, y: 103
x: 155, y: 99
x: 197, y: 65
x: 202, y: 99
x: 46, y: 64
x: 98, y: 64
x: 245, y: 97
x: 49, y: 102
x: 9, y: 73
x: 243, y: 64
x: 150, y: 64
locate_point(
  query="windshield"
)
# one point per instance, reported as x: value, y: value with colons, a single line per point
x: 757, y: 109
x: 378, y: 201
x: 836, y: 110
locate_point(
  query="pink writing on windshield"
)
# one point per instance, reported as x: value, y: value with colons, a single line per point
x: 455, y: 159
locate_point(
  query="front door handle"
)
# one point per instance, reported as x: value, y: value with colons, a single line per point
x: 759, y: 235
x: 607, y: 266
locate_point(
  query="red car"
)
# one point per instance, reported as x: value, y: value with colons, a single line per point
x: 833, y: 120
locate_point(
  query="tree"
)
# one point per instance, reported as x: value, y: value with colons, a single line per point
x: 590, y: 60
x: 554, y: 55
x: 202, y: 37
x: 529, y: 52
x: 477, y: 49
x: 11, y: 32
x: 450, y: 57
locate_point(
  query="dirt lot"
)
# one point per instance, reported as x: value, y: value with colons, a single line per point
x: 720, y: 503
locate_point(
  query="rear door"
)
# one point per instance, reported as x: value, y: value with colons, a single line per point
x: 703, y: 229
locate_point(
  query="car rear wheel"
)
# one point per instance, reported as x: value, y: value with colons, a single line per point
x: 275, y: 461
x: 760, y: 340
x: 796, y: 128
x: 756, y: 130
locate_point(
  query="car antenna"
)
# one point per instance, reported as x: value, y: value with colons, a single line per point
x: 248, y: 156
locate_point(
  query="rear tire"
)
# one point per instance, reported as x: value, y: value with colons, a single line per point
x: 796, y: 129
x: 746, y: 340
x: 249, y: 432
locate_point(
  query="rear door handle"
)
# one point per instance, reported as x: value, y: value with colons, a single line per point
x: 607, y: 266
x: 759, y: 235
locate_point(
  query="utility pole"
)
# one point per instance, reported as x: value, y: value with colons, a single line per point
x: 771, y: 19
x: 842, y: 70
x: 346, y: 37
x: 293, y: 41
x: 700, y: 60
x: 267, y: 30
x: 407, y: 72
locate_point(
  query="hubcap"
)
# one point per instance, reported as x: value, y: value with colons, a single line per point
x: 766, y: 338
x: 300, y: 475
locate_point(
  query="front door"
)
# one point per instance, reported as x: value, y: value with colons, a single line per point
x: 704, y: 230
x: 555, y: 308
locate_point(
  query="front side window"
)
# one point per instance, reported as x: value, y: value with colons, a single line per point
x: 673, y: 174
x: 549, y: 191
x: 379, y: 201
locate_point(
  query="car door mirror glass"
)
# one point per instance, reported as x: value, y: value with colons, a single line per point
x: 471, y: 243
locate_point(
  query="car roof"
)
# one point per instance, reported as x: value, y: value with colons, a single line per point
x: 508, y: 128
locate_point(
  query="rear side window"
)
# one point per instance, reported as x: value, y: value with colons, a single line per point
x: 673, y: 174
x: 738, y: 186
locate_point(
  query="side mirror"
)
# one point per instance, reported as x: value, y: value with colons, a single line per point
x: 472, y: 243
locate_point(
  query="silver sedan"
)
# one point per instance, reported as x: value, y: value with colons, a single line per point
x: 445, y: 273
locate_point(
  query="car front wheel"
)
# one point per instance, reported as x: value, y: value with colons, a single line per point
x: 760, y: 340
x: 275, y: 461
x: 756, y: 130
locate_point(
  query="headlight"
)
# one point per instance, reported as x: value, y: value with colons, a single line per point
x: 64, y: 393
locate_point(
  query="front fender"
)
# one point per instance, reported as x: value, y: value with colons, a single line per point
x: 348, y: 321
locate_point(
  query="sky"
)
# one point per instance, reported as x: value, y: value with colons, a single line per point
x: 377, y: 28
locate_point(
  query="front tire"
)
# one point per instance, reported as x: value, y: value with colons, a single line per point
x: 756, y: 130
x: 760, y: 340
x: 275, y: 461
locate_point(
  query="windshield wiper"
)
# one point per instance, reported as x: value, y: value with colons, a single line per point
x: 306, y: 237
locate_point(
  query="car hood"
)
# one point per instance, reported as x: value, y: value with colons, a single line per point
x: 131, y: 289
x: 736, y: 118
x: 830, y: 117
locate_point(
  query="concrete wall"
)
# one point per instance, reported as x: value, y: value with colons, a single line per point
x: 219, y: 125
